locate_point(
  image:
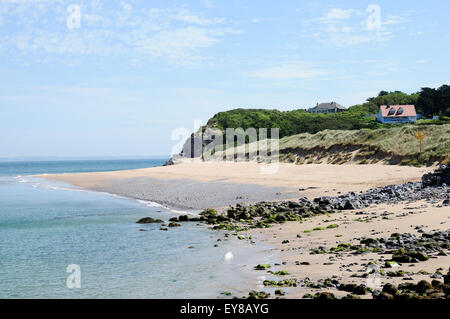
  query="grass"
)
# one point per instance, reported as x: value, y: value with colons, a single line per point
x: 397, y: 145
x: 399, y: 140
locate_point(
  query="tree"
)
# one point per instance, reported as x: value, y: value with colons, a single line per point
x: 427, y: 102
x: 443, y: 99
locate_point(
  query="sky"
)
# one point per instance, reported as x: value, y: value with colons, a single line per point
x: 132, y: 78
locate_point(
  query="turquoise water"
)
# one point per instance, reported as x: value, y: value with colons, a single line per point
x: 44, y: 227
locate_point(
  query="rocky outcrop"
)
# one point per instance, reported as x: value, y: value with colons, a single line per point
x: 149, y: 220
x: 438, y: 177
x: 422, y: 290
x: 198, y: 144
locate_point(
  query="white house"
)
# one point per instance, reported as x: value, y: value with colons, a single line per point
x: 331, y: 107
x: 397, y: 114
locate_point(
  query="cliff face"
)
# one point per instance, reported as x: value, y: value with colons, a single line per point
x: 199, y: 142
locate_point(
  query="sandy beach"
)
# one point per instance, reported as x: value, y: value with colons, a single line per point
x: 201, y: 185
x: 352, y: 226
x: 195, y: 185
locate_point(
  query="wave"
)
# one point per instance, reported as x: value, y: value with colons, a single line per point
x: 37, y: 182
x: 157, y: 205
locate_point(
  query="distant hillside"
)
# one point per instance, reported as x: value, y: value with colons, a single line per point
x: 350, y: 136
x: 300, y: 121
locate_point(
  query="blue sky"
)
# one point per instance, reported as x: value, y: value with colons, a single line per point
x: 136, y: 70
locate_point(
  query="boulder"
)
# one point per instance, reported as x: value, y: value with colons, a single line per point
x: 183, y: 218
x: 438, y: 177
x: 390, y: 289
x: 149, y: 220
x: 422, y: 286
x: 174, y: 224
x: 325, y: 296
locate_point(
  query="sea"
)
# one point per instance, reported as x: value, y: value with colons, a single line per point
x: 60, y: 241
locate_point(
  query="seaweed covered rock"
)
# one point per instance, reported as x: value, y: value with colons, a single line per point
x: 258, y: 295
x: 406, y: 256
x: 183, y: 218
x: 149, y: 220
x: 353, y: 288
x: 390, y: 289
x: 325, y: 295
x: 447, y: 278
x: 173, y: 224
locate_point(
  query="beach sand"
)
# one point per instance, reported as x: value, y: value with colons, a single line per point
x: 369, y: 222
x: 200, y: 185
x: 194, y: 185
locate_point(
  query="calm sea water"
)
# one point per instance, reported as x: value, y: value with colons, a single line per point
x: 44, y: 227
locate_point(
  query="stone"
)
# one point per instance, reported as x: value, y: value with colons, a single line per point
x: 174, y: 224
x: 183, y: 218
x: 325, y: 296
x: 422, y: 286
x: 149, y: 220
x: 390, y: 289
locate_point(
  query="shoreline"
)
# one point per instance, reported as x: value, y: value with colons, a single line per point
x: 198, y: 186
x: 283, y: 238
x: 239, y: 267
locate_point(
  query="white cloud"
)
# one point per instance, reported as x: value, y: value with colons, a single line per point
x: 290, y: 71
x: 174, y: 35
x: 348, y: 27
x: 392, y: 19
x: 340, y: 14
x: 187, y: 16
x: 176, y: 44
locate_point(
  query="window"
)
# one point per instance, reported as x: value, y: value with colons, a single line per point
x: 392, y: 111
x: 400, y: 111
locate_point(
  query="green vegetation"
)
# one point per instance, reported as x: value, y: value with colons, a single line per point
x: 262, y: 267
x: 434, y: 101
x: 399, y: 143
x: 280, y: 273
x: 428, y: 102
x: 293, y: 122
x: 351, y: 136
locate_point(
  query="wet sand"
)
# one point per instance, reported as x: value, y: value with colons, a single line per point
x: 200, y: 185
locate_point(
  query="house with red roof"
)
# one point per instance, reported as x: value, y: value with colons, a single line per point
x: 397, y: 114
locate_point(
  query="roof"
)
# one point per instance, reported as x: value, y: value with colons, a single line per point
x: 398, y: 110
x: 328, y: 106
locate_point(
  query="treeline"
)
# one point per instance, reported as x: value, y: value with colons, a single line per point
x: 292, y: 122
x: 428, y: 102
x: 434, y: 101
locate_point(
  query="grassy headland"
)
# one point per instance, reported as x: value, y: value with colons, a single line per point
x: 351, y: 136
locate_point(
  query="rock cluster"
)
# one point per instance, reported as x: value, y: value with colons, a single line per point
x: 279, y: 212
x: 405, y: 248
x: 149, y: 220
x: 438, y: 177
x: 433, y: 188
x: 422, y: 290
